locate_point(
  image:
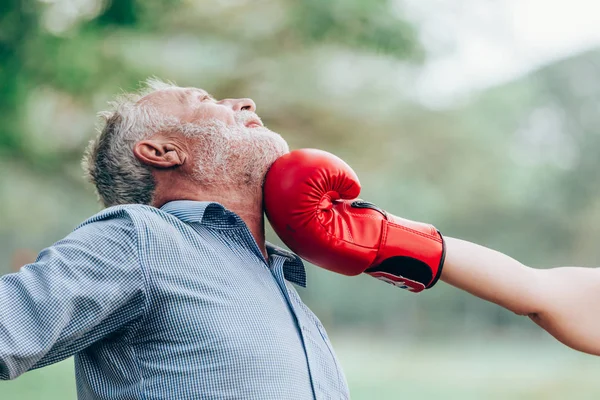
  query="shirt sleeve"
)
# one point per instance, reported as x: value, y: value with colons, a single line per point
x: 80, y: 290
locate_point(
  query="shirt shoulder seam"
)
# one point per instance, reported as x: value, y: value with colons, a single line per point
x: 143, y: 269
x: 128, y: 211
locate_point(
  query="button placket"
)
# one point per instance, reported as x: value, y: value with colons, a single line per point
x: 277, y: 271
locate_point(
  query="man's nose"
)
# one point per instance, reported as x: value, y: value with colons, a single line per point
x: 241, y: 104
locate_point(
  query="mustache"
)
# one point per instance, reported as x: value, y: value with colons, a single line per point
x: 243, y: 116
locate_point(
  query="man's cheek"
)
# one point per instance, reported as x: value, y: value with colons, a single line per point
x: 213, y: 112
x: 226, y: 115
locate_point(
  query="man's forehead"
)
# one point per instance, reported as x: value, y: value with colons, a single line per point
x: 192, y: 91
x: 169, y: 94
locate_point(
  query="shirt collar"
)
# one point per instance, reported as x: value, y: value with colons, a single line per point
x: 293, y: 267
x: 205, y: 212
x: 186, y: 210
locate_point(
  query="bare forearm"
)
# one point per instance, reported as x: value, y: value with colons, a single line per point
x: 564, y: 301
x: 490, y: 275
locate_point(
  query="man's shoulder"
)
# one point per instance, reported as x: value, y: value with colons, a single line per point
x: 111, y: 228
x: 115, y: 214
x: 127, y: 217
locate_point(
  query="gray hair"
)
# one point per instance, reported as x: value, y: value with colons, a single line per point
x: 109, y: 162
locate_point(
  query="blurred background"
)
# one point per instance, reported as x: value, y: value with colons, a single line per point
x: 481, y: 117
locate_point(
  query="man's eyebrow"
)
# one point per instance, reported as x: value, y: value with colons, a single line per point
x: 207, y: 94
x: 202, y: 92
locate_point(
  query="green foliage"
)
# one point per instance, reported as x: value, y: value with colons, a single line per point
x: 120, y: 13
x: 365, y: 24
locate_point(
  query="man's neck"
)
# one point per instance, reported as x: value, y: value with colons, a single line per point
x: 248, y: 205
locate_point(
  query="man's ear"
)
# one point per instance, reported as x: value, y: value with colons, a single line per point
x: 158, y: 153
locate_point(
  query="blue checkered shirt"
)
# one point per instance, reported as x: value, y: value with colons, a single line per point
x: 170, y: 303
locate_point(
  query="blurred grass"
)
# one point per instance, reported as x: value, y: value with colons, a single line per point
x: 50, y: 383
x: 483, y: 369
x: 393, y: 369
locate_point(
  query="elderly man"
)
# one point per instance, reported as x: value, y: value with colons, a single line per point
x: 172, y: 291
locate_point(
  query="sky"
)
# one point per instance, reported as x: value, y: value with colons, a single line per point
x: 475, y: 44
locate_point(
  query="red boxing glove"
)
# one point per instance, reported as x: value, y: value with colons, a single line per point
x: 311, y: 202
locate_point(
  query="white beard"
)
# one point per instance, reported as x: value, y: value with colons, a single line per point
x: 234, y: 156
